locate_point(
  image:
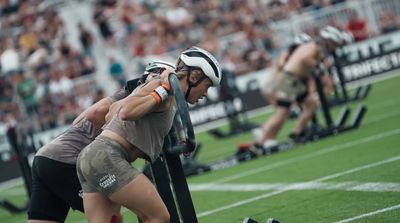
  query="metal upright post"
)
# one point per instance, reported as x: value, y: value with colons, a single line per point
x: 181, y: 189
x: 322, y: 98
x: 162, y: 181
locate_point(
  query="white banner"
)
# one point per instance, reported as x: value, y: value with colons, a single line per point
x: 370, y: 48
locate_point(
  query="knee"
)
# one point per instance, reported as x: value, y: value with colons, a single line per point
x: 163, y: 216
x: 311, y: 104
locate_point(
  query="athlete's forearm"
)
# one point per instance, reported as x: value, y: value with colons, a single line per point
x: 120, y: 94
x: 96, y: 113
x: 151, y: 97
x: 100, y: 108
x: 133, y: 107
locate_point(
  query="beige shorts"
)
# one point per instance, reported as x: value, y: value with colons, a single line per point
x: 268, y: 86
x: 289, y: 88
x: 103, y: 166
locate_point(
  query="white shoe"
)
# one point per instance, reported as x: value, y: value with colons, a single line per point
x: 270, y: 143
x: 271, y: 220
x: 257, y: 134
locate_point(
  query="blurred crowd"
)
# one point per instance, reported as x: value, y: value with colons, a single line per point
x: 43, y: 77
x: 39, y: 68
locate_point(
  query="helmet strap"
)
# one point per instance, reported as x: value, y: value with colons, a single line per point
x: 190, y: 84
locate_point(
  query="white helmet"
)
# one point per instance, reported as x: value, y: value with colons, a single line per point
x: 197, y: 57
x: 155, y: 66
x: 331, y: 33
x: 302, y: 38
x: 347, y: 37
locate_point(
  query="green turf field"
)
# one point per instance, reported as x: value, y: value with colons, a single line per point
x: 351, y: 177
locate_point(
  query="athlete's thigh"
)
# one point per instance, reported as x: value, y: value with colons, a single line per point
x: 98, y: 208
x: 140, y: 196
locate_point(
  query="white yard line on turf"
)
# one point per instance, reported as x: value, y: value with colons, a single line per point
x: 369, y: 214
x: 285, y: 189
x: 346, y: 186
x: 393, y: 159
x: 10, y: 183
x: 17, y: 191
x: 309, y: 155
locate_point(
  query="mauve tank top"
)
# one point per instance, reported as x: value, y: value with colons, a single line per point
x: 67, y: 146
x: 147, y: 133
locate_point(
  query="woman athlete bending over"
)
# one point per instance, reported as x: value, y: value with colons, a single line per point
x: 56, y: 187
x: 137, y: 127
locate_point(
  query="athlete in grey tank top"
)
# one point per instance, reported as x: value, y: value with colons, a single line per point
x: 56, y: 187
x: 136, y: 132
x: 67, y: 146
x: 137, y: 126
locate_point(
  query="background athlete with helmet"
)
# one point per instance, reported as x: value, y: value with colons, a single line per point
x: 291, y: 82
x: 56, y: 187
x: 136, y: 128
x: 269, y: 87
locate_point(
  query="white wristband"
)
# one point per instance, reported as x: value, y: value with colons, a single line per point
x: 162, y: 92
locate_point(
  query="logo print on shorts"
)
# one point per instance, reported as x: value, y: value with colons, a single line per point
x: 107, y: 180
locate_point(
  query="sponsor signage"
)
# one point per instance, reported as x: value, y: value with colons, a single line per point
x: 211, y: 111
x: 247, y: 97
x: 376, y: 65
x: 373, y: 56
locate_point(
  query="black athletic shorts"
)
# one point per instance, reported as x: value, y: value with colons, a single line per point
x: 55, y: 188
x: 299, y: 99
